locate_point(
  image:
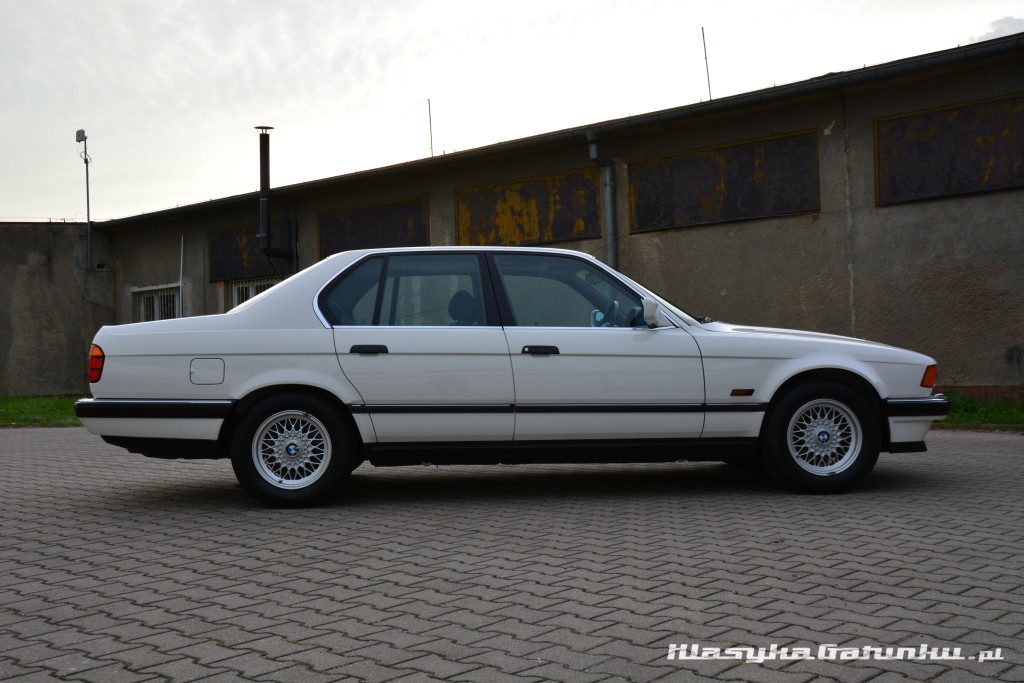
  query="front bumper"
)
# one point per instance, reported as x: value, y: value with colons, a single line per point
x: 909, y: 420
x: 934, y: 407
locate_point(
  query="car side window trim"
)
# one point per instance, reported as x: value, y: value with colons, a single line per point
x: 505, y: 308
x: 378, y: 302
x: 491, y: 309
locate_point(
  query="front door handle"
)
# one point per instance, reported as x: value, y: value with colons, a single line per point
x: 368, y: 349
x: 541, y: 350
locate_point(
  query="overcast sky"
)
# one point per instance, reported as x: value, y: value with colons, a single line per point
x: 168, y: 91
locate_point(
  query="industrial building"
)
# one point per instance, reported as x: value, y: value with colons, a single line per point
x: 885, y: 202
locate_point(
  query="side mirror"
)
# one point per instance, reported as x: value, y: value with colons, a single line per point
x: 650, y: 312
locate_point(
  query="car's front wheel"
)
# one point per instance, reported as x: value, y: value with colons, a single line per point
x: 821, y: 437
x: 292, y: 450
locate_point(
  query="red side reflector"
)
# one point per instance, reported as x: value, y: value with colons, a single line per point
x: 742, y: 392
x: 930, y: 374
x: 96, y: 359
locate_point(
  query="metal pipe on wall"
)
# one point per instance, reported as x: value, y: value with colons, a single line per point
x: 88, y: 210
x: 263, y: 238
x: 181, y: 278
x: 609, y: 216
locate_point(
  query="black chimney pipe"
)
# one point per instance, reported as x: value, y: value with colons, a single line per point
x: 263, y: 237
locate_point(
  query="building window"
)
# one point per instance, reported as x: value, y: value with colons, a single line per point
x: 156, y: 303
x: 243, y: 290
x: 748, y: 180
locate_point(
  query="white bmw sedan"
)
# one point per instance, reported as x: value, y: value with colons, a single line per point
x: 495, y: 355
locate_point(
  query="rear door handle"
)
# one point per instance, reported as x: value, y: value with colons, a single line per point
x: 541, y: 350
x: 368, y: 349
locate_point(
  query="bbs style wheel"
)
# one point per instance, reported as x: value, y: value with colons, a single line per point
x: 293, y: 450
x: 821, y: 437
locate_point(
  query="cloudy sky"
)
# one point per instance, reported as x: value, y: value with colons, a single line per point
x: 168, y: 91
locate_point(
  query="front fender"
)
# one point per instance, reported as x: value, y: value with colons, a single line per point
x: 788, y: 369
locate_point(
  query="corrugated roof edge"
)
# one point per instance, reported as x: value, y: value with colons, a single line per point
x: 832, y: 81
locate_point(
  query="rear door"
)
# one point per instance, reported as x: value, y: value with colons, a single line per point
x: 585, y: 364
x: 417, y: 334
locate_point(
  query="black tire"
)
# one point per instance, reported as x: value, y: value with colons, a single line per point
x: 293, y: 420
x: 797, y: 464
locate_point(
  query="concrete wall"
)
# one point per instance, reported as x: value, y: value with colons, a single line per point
x: 943, y: 276
x: 50, y: 307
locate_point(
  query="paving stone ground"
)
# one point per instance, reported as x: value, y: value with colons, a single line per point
x: 115, y: 567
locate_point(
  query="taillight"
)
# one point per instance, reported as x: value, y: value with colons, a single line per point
x: 930, y: 373
x: 96, y: 359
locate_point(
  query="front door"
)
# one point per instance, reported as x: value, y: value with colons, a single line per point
x: 418, y: 337
x: 585, y: 364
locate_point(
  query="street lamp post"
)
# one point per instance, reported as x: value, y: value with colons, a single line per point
x: 80, y: 136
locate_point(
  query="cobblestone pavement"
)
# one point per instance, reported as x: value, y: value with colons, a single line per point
x: 114, y: 567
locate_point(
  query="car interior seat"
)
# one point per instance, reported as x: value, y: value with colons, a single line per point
x: 463, y: 309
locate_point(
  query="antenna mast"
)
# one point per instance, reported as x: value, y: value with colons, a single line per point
x: 430, y: 123
x: 707, y: 71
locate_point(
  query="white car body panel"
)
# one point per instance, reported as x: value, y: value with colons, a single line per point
x: 605, y: 366
x: 432, y: 366
x: 280, y: 338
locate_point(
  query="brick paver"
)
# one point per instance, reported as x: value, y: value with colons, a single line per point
x: 117, y: 567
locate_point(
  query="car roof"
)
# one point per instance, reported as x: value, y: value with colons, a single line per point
x: 357, y: 253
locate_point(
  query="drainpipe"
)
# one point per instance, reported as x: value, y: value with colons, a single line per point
x: 609, y: 224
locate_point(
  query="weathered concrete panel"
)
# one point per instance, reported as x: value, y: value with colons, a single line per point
x: 555, y: 208
x: 50, y: 307
x: 944, y: 276
x: 759, y: 179
x: 786, y: 271
x: 401, y: 223
x: 954, y: 150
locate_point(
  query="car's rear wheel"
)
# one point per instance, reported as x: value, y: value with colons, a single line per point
x: 821, y: 437
x: 293, y: 450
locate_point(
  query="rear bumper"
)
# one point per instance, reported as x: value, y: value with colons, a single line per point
x: 154, y: 419
x: 153, y: 408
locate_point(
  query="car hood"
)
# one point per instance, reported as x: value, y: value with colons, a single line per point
x: 783, y: 332
x: 860, y: 348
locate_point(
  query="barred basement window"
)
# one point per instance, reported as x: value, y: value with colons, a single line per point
x: 156, y: 303
x: 243, y: 290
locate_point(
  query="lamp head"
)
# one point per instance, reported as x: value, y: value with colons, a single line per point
x: 80, y: 135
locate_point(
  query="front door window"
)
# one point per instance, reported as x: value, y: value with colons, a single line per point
x: 556, y: 291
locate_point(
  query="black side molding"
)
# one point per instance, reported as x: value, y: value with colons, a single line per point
x: 117, y: 407
x: 418, y: 409
x: 735, y: 407
x: 930, y: 406
x: 561, y: 408
x: 609, y: 408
